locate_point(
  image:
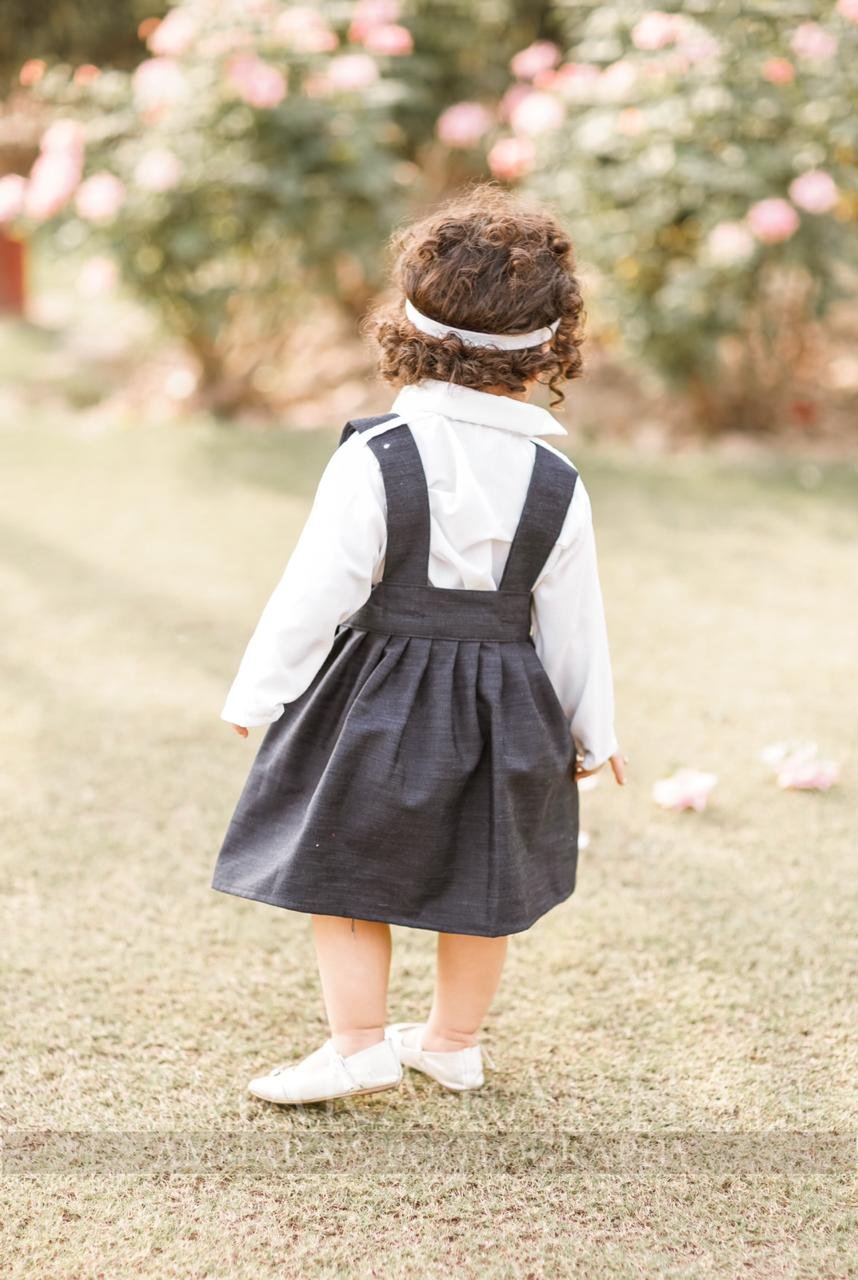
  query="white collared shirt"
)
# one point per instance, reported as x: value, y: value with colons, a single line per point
x: 477, y: 452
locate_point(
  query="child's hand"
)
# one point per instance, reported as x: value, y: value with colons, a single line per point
x: 240, y: 730
x: 618, y: 764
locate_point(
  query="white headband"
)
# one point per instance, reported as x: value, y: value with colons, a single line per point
x: 505, y: 341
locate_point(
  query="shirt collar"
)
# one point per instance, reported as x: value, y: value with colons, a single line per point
x: 468, y: 405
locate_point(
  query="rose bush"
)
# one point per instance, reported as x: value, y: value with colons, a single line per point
x: 253, y: 156
x: 706, y: 166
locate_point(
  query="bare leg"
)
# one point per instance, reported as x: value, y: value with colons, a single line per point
x: 469, y: 971
x: 354, y: 966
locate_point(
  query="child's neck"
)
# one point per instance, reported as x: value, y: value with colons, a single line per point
x: 513, y: 395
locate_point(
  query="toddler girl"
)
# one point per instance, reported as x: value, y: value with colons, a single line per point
x: 433, y: 664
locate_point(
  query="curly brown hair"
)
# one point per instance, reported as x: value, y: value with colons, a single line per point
x: 486, y: 260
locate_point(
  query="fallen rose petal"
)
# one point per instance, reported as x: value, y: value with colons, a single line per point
x: 808, y: 775
x: 685, y: 789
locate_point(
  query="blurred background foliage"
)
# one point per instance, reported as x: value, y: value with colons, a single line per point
x: 237, y: 166
x: 103, y: 32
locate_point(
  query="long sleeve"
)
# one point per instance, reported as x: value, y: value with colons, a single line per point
x: 570, y: 634
x: 329, y: 575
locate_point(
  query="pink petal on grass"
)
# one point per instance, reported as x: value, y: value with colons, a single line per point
x: 808, y: 775
x: 685, y: 789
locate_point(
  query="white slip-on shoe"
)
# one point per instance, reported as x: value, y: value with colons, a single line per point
x: 327, y: 1074
x: 458, y: 1069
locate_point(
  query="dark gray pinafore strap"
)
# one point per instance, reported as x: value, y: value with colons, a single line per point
x: 407, y: 555
x: 405, y: 602
x: 552, y: 484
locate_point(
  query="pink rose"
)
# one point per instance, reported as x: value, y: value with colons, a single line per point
x: 463, y: 124
x: 53, y: 180
x: 97, y: 276
x: 305, y: 30
x: 371, y: 13
x: 810, y: 40
x: 699, y: 47
x: 32, y: 71
x: 542, y: 55
x: 631, y: 122
x: 515, y: 94
x: 511, y: 158
x: 389, y: 40
x: 848, y: 9
x: 351, y: 72
x: 158, y: 83
x: 778, y: 71
x: 256, y: 82
x: 576, y: 81
x: 158, y: 170
x: 64, y: 137
x: 100, y: 198
x: 86, y: 73
x: 537, y: 113
x: 173, y: 35
x: 772, y: 220
x: 12, y: 189
x: 814, y: 191
x: 685, y: 789
x: 617, y: 81
x: 657, y: 30
x: 729, y: 243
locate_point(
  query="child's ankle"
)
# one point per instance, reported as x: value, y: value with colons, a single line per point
x: 348, y: 1042
x: 447, y: 1040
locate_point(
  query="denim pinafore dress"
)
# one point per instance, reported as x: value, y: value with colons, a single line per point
x: 425, y: 777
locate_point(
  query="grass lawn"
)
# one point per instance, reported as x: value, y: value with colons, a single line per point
x: 674, y: 1083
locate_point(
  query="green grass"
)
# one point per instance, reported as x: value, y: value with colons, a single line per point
x: 673, y: 1093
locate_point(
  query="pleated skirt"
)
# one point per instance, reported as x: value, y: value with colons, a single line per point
x: 421, y: 782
